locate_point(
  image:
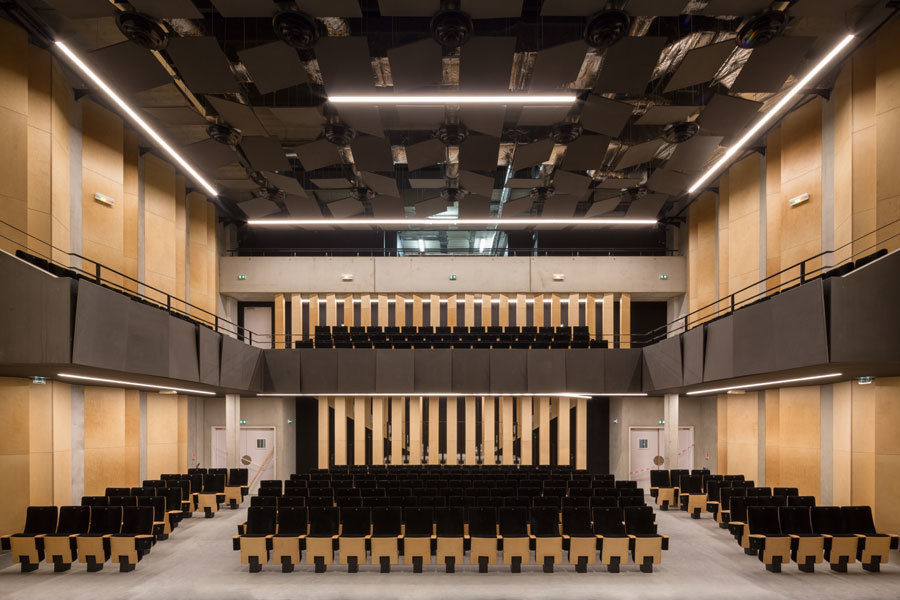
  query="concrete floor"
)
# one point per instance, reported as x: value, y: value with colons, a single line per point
x: 197, y: 562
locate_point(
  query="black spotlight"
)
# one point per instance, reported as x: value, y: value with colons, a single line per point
x: 606, y: 28
x: 224, y: 134
x: 761, y: 29
x: 452, y: 134
x: 143, y: 30
x: 680, y: 132
x: 296, y: 29
x: 339, y: 134
x: 451, y: 28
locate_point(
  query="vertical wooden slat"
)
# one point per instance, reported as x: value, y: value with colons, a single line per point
x: 538, y: 310
x: 543, y: 430
x: 365, y: 310
x: 451, y: 311
x: 313, y: 306
x: 625, y: 320
x: 504, y: 311
x: 399, y: 310
x: 563, y: 428
x: 323, y: 433
x: 296, y: 318
x: 487, y: 430
x: 452, y: 441
x: 525, y: 430
x: 280, y: 322
x: 521, y: 310
x: 340, y: 431
x: 434, y: 310
x: 470, y: 430
x: 417, y: 311
x: 506, y: 431
x: 331, y: 310
x: 383, y: 310
x: 398, y: 418
x: 349, y: 313
x: 378, y: 413
x: 434, y: 430
x: 415, y: 430
x: 555, y: 310
x: 469, y: 310
x: 607, y: 324
x: 486, y: 310
x: 590, y: 315
x: 581, y: 433
x: 359, y: 431
x: 574, y: 305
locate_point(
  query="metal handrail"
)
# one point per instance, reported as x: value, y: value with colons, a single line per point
x: 389, y: 252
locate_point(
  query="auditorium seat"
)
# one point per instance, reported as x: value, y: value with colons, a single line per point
x: 807, y: 548
x: 387, y: 524
x: 211, y: 496
x: 94, y: 547
x: 161, y: 527
x: 172, y: 497
x: 664, y: 488
x: 236, y: 487
x: 27, y: 548
x: 134, y: 539
x: 874, y: 548
x: 94, y: 501
x: 613, y: 542
x: 483, y: 537
x: 61, y: 547
x: 801, y: 500
x: 691, y: 495
x: 579, y: 538
x: 418, y: 534
x: 765, y: 537
x: 513, y: 533
x: 356, y: 529
x: 254, y: 539
x: 547, y: 537
x: 646, y: 542
x: 324, y: 529
x: 450, y: 530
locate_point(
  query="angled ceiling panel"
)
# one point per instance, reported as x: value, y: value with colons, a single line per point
x: 663, y: 115
x: 615, y: 183
x: 639, y: 153
x: 363, y: 118
x: 404, y: 117
x: 585, y: 153
x: 570, y: 183
x: 529, y: 155
x: 348, y: 207
x: 427, y: 184
x: 492, y: 9
x: 318, y: 154
x: 345, y: 64
x: 167, y: 9
x: 415, y: 65
x: 485, y: 64
x: 288, y: 185
x: 273, y: 66
x: 130, y: 67
x: 628, y: 65
x: 560, y: 206
x: 656, y: 8
x: 603, y: 207
x: 424, y: 154
x: 209, y: 155
x: 258, y: 207
x: 828, y: 8
x: 770, y: 65
x: 477, y: 184
x: 387, y: 207
x: 372, y: 154
x: 243, y: 8
x: 522, y: 183
x: 175, y: 115
x: 608, y: 117
x: 474, y: 207
x: 202, y: 64
x: 265, y: 153
x: 484, y: 118
x: 668, y: 182
x: 646, y: 207
x: 479, y: 153
x: 700, y: 65
x: 302, y: 207
x: 571, y: 8
x: 542, y: 116
x: 384, y: 186
x: 330, y: 8
x: 334, y: 183
x: 690, y: 156
x: 728, y: 115
x: 555, y: 67
x: 298, y: 116
x: 430, y: 207
x: 518, y: 207
x: 83, y: 9
x: 238, y: 115
x: 408, y: 8
x: 739, y: 8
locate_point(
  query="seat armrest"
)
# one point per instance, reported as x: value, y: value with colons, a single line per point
x: 665, y: 542
x: 895, y: 541
x: 4, y: 543
x: 242, y: 527
x: 235, y: 542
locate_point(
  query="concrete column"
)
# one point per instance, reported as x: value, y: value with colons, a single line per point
x: 323, y: 433
x: 415, y: 430
x: 581, y: 433
x: 379, y: 409
x: 670, y: 431
x: 525, y: 430
x: 398, y: 414
x: 452, y: 441
x: 487, y: 430
x: 232, y: 431
x: 543, y: 430
x: 470, y: 430
x: 563, y: 430
x: 359, y: 431
x: 434, y: 431
x: 77, y: 416
x: 506, y: 430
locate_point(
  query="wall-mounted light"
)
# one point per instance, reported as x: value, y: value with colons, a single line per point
x: 865, y: 380
x: 243, y: 421
x: 764, y: 384
x: 559, y: 277
x: 104, y: 199
x: 347, y: 277
x: 797, y: 200
x: 736, y: 392
x: 160, y: 388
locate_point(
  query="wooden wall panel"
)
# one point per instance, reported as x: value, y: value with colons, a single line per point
x: 862, y: 459
x: 506, y: 430
x: 296, y: 318
x: 340, y: 431
x: 488, y: 436
x: 525, y: 429
x: 470, y: 430
x: 162, y: 435
x: 486, y: 310
x: 14, y: 449
x: 842, y: 443
x: 415, y: 430
x: 434, y: 430
x: 702, y: 254
x: 182, y: 285
x: 159, y: 224
x: 887, y: 453
x: 521, y: 310
x: 743, y: 225
x: 349, y: 311
x: 543, y: 423
x: 469, y: 310
x: 104, y: 441
x: 581, y: 433
x: 742, y: 416
x: 773, y: 438
x: 359, y: 431
x: 434, y: 310
x: 59, y: 162
x: 280, y: 322
x: 773, y: 207
x: 538, y: 317
x: 379, y: 416
x: 398, y: 418
x: 330, y: 310
x: 607, y: 327
x: 324, y: 433
x: 202, y: 253
x: 799, y: 438
x: 452, y: 430
x: 563, y: 431
x: 504, y: 311
x: 39, y: 156
x: 573, y: 307
x: 625, y: 320
x: 555, y: 310
x: 13, y: 133
x: 399, y: 310
x: 417, y: 310
x: 365, y: 310
x: 887, y: 132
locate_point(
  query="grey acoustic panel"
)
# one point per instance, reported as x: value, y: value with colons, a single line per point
x: 202, y: 64
x: 522, y: 183
x: 296, y: 117
x: 147, y: 341
x: 718, y: 361
x: 603, y: 207
x: 509, y: 371
x: 484, y: 118
x: 183, y: 350
x: 408, y: 8
x: 492, y: 9
x: 560, y: 206
x: 335, y: 183
x: 529, y: 155
x: 628, y: 64
x: 345, y: 64
x: 82, y: 9
x: 571, y: 8
x: 424, y: 154
x: 101, y: 327
x: 692, y: 355
x: 348, y: 207
x: 622, y: 370
x: 656, y: 8
x: 691, y: 156
x: 258, y: 207
x: 356, y: 371
x: 372, y: 153
x: 639, y: 153
x: 570, y: 183
x: 319, y: 371
x: 557, y: 66
x: 330, y: 8
x: 471, y: 371
x: 387, y: 207
x: 605, y: 116
x: 394, y: 371
x: 546, y: 371
x: 479, y: 153
x: 175, y: 115
x: 477, y: 184
x: 662, y: 114
x: 485, y: 64
x: 244, y: 8
x: 289, y: 185
x: 646, y: 207
x: 542, y: 116
x: 518, y: 207
x: 209, y: 348
x: 754, y: 339
x: 317, y: 155
x: 611, y: 185
x: 427, y: 184
x: 302, y: 207
x: 662, y: 365
x: 240, y: 365
x: 430, y: 207
x: 728, y: 115
x: 265, y: 153
x: 415, y: 65
x: 404, y: 117
x: 386, y: 186
x: 273, y: 66
x: 363, y: 118
x: 739, y: 8
x: 128, y: 67
x: 238, y: 115
x: 585, y: 371
x: 668, y: 182
x: 586, y: 153
x: 167, y: 9
x: 433, y: 371
x: 474, y: 207
x: 771, y: 64
x: 282, y: 374
x: 800, y: 328
x: 700, y: 65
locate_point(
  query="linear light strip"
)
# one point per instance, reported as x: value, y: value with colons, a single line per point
x: 772, y: 112
x: 133, y: 383
x: 454, y: 99
x: 451, y: 395
x: 763, y: 384
x: 435, y: 222
x: 135, y: 117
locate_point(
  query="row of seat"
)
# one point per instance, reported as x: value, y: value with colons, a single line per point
x: 420, y: 535
x: 563, y: 330
x: 341, y: 471
x: 442, y: 501
x: 207, y: 489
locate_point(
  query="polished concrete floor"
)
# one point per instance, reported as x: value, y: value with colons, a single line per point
x: 197, y: 562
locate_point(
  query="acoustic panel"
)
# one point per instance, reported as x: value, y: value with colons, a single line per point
x: 316, y: 155
x: 202, y: 64
x: 167, y: 9
x: 492, y: 9
x: 754, y: 339
x: 265, y: 153
x: 477, y: 184
x: 485, y: 63
x: 718, y: 361
x: 622, y: 370
x: 605, y: 116
x: 415, y: 65
x: 639, y: 153
x: 424, y: 154
x: 258, y: 207
x: 132, y: 68
x: 274, y: 66
x: 433, y: 371
x: 348, y: 207
x: 209, y: 343
x: 646, y: 207
x: 239, y: 116
x: 728, y: 115
x: 101, y: 325
x: 771, y: 64
x: 542, y: 116
x: 662, y: 114
x: 394, y: 371
x: 557, y: 66
x: 509, y: 371
x: 691, y: 156
x: 183, y: 350
x: 656, y: 8
x: 692, y: 343
x: 318, y: 371
x: 282, y: 375
x: 408, y: 8
x: 585, y: 371
x: 241, y: 365
x: 430, y: 207
x: 387, y: 207
x: 83, y: 9
x: 560, y: 206
x: 571, y: 8
x: 330, y: 8
x: 147, y: 340
x: 363, y: 118
x: 662, y: 365
x: 700, y: 65
x: 471, y: 371
x: 586, y: 153
x: 546, y: 371
x: 243, y: 8
x: 529, y: 155
x: 356, y: 371
x: 345, y: 64
x: 479, y: 153
x: 668, y: 182
x: 628, y: 64
x: 571, y: 183
x: 799, y: 326
x: 484, y: 118
x: 474, y: 207
x: 302, y: 206
x: 372, y: 154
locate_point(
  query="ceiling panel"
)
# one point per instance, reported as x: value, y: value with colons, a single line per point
x: 345, y: 64
x: 522, y: 183
x: 363, y: 118
x: 175, y: 115
x: 529, y: 155
x: 484, y: 118
x: 646, y: 207
x: 346, y: 208
x: 518, y: 207
x: 244, y: 8
x: 318, y: 154
x: 258, y: 207
x: 82, y: 9
x: 202, y: 64
x: 209, y: 155
x: 658, y: 8
x: 427, y: 184
x: 485, y: 64
x: 663, y: 115
x: 129, y: 67
x: 608, y: 117
x: 587, y: 152
x: 273, y: 66
x: 302, y: 207
x: 330, y: 8
x: 567, y: 8
x: 728, y: 115
x: 372, y: 153
x: 492, y: 9
x: 387, y: 207
x: 265, y: 153
x: 700, y: 65
x: 479, y: 153
x: 424, y: 154
x: 430, y: 207
x: 616, y: 183
x: 739, y: 8
x: 542, y: 116
x: 385, y: 186
x: 289, y: 185
x: 477, y: 184
x: 416, y: 65
x: 336, y: 183
x: 555, y: 67
x: 639, y: 153
x: 166, y: 9
x: 408, y: 8
x: 474, y: 207
x: 770, y: 65
x: 238, y: 115
x: 560, y: 206
x: 570, y: 183
x: 690, y: 156
x: 404, y: 117
x: 669, y: 182
x: 628, y: 64
x: 603, y: 207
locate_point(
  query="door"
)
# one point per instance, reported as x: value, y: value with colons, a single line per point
x: 258, y: 319
x: 646, y: 447
x: 257, y: 452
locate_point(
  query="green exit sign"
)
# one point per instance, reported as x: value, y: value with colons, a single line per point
x: 663, y: 276
x: 453, y: 278
x: 242, y: 277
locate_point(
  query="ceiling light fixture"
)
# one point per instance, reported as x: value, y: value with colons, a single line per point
x: 405, y: 222
x: 161, y: 388
x: 763, y: 384
x: 135, y: 117
x: 448, y: 395
x: 772, y: 112
x: 455, y: 99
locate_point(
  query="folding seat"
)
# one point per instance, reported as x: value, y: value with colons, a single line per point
x: 134, y: 539
x: 211, y: 496
x: 546, y: 502
x: 288, y: 501
x: 691, y: 495
x: 628, y: 501
x: 153, y: 483
x: 801, y: 500
x: 612, y: 539
x: 376, y: 501
x: 659, y: 478
x: 418, y: 535
x: 765, y: 538
x: 27, y: 548
x: 517, y: 501
x: 483, y: 537
x: 324, y: 530
x: 626, y: 484
x: 356, y: 527
x: 514, y: 538
x: 94, y: 501
x: 320, y: 501
x: 785, y: 491
x: 218, y: 471
x: 277, y: 491
x: 94, y: 546
x: 293, y: 523
x: 874, y: 548
x: 197, y: 471
x: 807, y: 548
x: 61, y: 547
x: 161, y: 526
x: 293, y: 490
x: 387, y: 525
x: 737, y: 523
x: 546, y: 535
x: 579, y: 538
x: 724, y: 510
x: 115, y: 491
x: 646, y: 543
x: 264, y: 501
x: 255, y: 537
x: 236, y: 487
x: 123, y: 500
x: 583, y: 501
x: 759, y: 491
x: 604, y: 501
